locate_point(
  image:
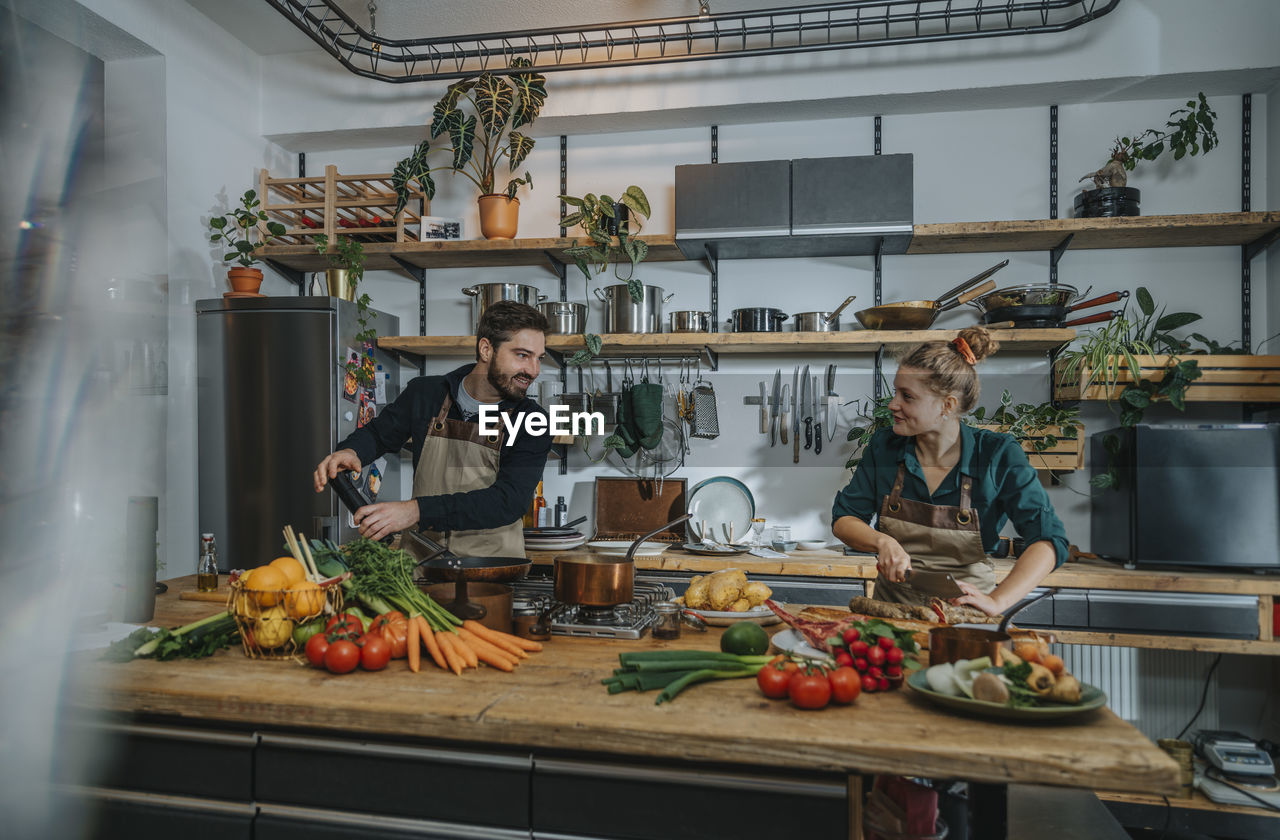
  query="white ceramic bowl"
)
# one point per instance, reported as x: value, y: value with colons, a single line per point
x: 811, y: 545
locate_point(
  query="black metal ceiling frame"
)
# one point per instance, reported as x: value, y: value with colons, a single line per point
x: 813, y: 27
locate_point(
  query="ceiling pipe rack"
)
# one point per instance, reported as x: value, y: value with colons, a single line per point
x: 815, y: 27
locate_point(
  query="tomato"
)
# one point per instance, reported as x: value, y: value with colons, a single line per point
x: 870, y: 683
x: 894, y: 655
x: 875, y: 656
x: 886, y: 642
x: 809, y: 691
x: 858, y: 648
x: 394, y: 628
x: 843, y: 659
x: 846, y: 684
x: 316, y: 647
x: 850, y: 636
x: 342, y: 657
x: 375, y: 653
x: 860, y: 663
x: 774, y: 679
x: 344, y: 623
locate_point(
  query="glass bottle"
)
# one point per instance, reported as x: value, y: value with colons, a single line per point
x: 207, y: 568
x: 539, y: 509
x: 667, y: 624
x: 562, y: 512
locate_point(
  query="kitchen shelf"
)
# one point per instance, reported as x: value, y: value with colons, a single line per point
x: 1186, y: 230
x: 1223, y: 378
x: 637, y: 344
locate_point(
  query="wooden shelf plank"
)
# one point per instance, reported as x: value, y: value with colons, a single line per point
x: 1137, y: 640
x: 634, y: 344
x: 1180, y: 231
x: 1198, y: 802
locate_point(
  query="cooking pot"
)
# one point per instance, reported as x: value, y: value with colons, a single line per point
x: 821, y: 321
x: 564, y: 317
x: 758, y: 319
x: 952, y: 644
x: 484, y: 294
x: 595, y: 580
x: 624, y: 315
x: 1039, y: 305
x: 920, y: 314
x: 495, y: 598
x: 690, y: 320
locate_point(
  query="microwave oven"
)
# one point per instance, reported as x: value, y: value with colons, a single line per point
x: 1189, y: 495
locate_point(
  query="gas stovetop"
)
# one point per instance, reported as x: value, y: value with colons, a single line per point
x: 625, y: 621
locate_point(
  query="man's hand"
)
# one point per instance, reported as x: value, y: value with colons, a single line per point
x: 343, y: 459
x: 892, y: 560
x: 384, y: 518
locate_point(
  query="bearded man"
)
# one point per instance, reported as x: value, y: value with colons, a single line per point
x: 470, y: 489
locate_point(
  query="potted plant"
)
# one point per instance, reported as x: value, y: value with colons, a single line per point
x: 1188, y: 131
x: 241, y: 230
x: 612, y: 227
x: 346, y: 264
x: 499, y: 105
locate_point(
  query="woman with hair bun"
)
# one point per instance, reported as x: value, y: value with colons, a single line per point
x: 940, y: 490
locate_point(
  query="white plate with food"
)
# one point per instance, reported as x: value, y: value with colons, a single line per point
x: 791, y: 641
x: 761, y: 615
x: 725, y: 505
x: 619, y: 548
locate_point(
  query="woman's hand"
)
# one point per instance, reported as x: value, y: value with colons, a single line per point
x: 975, y: 598
x: 892, y: 560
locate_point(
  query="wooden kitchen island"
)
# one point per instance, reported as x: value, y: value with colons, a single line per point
x: 544, y: 748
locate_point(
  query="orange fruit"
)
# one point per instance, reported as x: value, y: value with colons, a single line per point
x: 293, y: 571
x: 304, y: 600
x: 265, y: 585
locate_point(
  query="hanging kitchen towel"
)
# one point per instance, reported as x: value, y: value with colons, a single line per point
x: 624, y: 437
x: 646, y: 414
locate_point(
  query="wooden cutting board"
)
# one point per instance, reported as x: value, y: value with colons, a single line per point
x: 218, y: 596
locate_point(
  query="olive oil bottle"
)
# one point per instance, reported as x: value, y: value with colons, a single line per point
x: 207, y: 568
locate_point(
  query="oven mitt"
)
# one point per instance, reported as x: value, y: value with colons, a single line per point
x: 646, y: 414
x: 623, y: 438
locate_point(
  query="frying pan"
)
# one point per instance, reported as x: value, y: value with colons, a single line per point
x: 1049, y: 310
x: 920, y: 314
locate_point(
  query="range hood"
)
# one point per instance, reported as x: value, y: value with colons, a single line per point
x: 810, y: 207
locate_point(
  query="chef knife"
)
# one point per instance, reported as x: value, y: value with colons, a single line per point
x: 795, y: 417
x: 833, y: 406
x: 937, y: 584
x: 774, y: 400
x: 785, y: 426
x: 804, y: 409
x: 764, y: 409
x: 817, y: 418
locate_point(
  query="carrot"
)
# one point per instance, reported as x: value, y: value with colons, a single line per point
x: 411, y: 645
x: 491, y: 635
x: 489, y: 653
x: 465, y: 651
x: 446, y: 647
x: 429, y: 640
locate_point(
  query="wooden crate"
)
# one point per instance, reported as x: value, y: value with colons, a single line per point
x: 1064, y: 456
x: 1224, y: 378
x: 358, y: 206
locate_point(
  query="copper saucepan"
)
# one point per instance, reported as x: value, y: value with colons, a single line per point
x: 595, y: 580
x: 920, y: 314
x: 952, y: 644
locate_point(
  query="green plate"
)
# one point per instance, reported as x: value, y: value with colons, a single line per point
x: 1091, y: 698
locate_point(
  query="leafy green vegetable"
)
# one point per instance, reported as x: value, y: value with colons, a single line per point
x: 1019, y: 693
x: 383, y: 580
x: 193, y: 641
x: 675, y: 670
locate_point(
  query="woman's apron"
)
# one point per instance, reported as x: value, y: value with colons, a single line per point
x: 939, y: 538
x: 457, y: 458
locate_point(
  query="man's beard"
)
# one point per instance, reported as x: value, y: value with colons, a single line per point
x: 511, y: 387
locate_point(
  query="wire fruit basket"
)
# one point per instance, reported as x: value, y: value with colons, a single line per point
x: 267, y: 618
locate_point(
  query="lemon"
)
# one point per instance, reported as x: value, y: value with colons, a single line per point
x: 273, y: 628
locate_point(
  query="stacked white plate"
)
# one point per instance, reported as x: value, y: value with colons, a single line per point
x: 552, y: 539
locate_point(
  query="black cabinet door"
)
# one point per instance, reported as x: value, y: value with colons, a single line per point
x: 112, y: 814
x: 277, y: 822
x: 734, y: 207
x: 847, y: 203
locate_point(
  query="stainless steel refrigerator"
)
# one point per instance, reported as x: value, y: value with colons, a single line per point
x: 271, y: 403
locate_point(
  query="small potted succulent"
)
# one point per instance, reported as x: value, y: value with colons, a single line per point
x: 241, y: 230
x: 479, y: 141
x: 1188, y: 131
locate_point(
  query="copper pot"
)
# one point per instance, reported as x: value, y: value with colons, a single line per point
x: 593, y: 580
x: 952, y: 644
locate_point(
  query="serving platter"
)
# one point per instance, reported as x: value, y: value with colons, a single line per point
x: 619, y: 548
x: 712, y: 551
x: 724, y: 504
x: 791, y: 641
x: 1091, y: 698
x: 757, y: 615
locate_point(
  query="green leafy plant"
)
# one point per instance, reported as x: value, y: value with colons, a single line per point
x: 348, y: 254
x: 598, y: 218
x: 1188, y: 130
x: 241, y: 231
x: 876, y: 414
x: 479, y: 140
x: 1031, y: 422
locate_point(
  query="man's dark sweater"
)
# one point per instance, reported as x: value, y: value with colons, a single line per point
x: 520, y: 465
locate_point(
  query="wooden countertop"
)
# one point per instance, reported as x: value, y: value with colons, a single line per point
x: 555, y: 701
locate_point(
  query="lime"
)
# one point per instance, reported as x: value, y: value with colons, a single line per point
x: 745, y: 639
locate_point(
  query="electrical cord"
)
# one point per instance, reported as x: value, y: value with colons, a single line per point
x: 1204, y: 695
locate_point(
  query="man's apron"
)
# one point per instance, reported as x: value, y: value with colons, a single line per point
x: 457, y: 458
x: 939, y: 538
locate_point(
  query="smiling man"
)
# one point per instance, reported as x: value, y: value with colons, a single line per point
x: 470, y: 489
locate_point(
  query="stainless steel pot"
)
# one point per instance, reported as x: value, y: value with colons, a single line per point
x: 821, y: 321
x: 564, y: 317
x: 758, y: 319
x: 484, y: 294
x: 624, y: 315
x: 690, y: 320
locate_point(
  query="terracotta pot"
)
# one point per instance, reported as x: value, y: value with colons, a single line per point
x: 499, y: 216
x: 244, y: 279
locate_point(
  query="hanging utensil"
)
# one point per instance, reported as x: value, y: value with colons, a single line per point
x: 817, y: 418
x: 795, y: 416
x: 804, y: 409
x: 775, y: 400
x: 833, y: 406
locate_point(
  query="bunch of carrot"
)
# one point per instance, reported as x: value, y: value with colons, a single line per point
x: 466, y: 646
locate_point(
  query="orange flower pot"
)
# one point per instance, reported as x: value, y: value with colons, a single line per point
x: 244, y: 279
x: 499, y: 216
